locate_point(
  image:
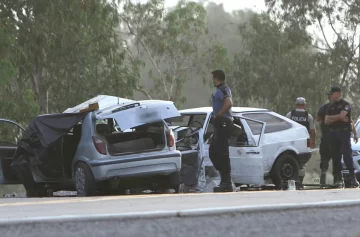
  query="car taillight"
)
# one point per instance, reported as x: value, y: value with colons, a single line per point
x: 308, y: 143
x: 170, y: 138
x: 100, y: 145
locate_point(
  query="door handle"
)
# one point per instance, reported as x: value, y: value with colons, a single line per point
x: 252, y: 152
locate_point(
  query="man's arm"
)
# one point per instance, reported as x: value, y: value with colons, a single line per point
x: 226, y: 96
x: 356, y: 139
x: 329, y: 119
x: 226, y: 107
x: 312, y: 131
x: 320, y: 114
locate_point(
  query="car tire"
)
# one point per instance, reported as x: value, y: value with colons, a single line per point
x: 285, y: 168
x: 84, y: 181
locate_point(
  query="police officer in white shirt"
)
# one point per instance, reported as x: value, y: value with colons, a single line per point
x: 301, y: 116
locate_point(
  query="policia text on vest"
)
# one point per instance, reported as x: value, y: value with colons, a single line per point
x: 301, y: 117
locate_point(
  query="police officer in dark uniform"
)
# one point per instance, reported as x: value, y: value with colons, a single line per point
x: 325, y: 152
x: 339, y: 120
x: 223, y: 124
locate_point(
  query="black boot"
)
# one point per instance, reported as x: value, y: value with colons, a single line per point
x: 354, y: 181
x: 226, y: 184
x: 323, y: 177
x: 339, y: 180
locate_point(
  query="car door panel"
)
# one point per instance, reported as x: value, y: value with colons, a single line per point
x: 9, y: 132
x: 247, y: 165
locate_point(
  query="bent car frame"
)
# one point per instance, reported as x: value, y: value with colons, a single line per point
x: 120, y: 144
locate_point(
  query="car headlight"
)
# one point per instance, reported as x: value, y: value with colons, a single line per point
x: 355, y: 153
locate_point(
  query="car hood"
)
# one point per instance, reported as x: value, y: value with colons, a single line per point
x: 136, y: 113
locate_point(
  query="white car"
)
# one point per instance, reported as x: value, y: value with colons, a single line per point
x: 271, y: 149
x: 356, y: 157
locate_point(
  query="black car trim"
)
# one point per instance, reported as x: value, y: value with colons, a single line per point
x: 112, y: 162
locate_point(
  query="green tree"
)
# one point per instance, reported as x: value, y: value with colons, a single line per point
x: 63, y: 52
x: 342, y: 17
x: 279, y: 65
x: 171, y: 46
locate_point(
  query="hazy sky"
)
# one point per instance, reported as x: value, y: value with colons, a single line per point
x: 229, y: 5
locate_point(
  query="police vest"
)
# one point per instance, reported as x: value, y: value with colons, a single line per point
x: 300, y: 117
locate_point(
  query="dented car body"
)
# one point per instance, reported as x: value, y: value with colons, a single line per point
x: 121, y: 144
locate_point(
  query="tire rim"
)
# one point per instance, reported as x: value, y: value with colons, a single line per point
x: 80, y: 181
x: 287, y: 171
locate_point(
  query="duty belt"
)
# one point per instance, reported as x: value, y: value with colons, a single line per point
x: 340, y: 129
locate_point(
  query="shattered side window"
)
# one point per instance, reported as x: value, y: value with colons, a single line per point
x: 10, y: 134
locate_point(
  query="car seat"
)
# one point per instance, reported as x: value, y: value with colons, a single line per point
x: 103, y: 129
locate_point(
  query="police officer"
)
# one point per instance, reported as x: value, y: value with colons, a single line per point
x: 301, y: 116
x: 325, y: 152
x: 339, y: 120
x: 223, y: 123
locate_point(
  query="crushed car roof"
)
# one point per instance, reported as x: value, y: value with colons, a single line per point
x: 233, y: 109
x: 104, y: 101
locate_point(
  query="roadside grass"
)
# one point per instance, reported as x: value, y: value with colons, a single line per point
x: 313, y: 169
x: 11, y: 189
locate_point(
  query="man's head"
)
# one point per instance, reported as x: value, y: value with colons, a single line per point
x: 329, y: 97
x: 335, y: 93
x: 300, y: 103
x: 218, y: 77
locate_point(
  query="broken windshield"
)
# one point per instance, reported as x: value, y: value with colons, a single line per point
x: 188, y: 120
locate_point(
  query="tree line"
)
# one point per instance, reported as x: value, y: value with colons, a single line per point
x: 57, y: 53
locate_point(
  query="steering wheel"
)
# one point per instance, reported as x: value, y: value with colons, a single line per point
x: 190, y: 126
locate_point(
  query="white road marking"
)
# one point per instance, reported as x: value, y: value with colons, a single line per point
x: 182, y: 213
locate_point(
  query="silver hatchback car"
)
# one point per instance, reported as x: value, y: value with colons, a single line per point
x: 122, y: 144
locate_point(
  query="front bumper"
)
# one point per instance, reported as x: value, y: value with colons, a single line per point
x: 161, y: 164
x: 345, y: 171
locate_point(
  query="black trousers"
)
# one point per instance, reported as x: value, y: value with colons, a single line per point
x: 340, y: 145
x: 325, y: 152
x: 219, y: 148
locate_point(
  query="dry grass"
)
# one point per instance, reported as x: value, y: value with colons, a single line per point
x: 313, y: 170
x: 10, y: 189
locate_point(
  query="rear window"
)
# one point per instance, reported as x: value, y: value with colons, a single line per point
x: 273, y: 123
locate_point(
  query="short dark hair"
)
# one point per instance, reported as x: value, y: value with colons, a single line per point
x: 219, y: 74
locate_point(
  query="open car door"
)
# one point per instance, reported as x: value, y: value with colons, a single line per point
x: 245, y: 151
x: 10, y: 133
x: 246, y: 156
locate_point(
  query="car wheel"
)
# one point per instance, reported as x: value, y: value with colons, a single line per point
x: 84, y: 181
x: 285, y: 168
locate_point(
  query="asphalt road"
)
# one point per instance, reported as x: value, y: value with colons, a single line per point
x: 341, y: 221
x: 12, y: 208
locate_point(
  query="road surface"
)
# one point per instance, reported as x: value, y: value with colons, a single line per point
x: 340, y: 221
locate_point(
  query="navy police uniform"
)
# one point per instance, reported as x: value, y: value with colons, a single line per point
x: 339, y: 140
x: 325, y: 152
x: 219, y: 146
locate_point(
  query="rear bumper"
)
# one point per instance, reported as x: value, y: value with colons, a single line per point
x: 162, y: 164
